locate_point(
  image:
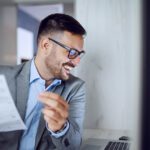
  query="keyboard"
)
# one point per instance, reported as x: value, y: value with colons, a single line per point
x: 117, y: 146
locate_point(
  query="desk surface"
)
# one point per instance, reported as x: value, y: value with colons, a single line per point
x: 104, y: 134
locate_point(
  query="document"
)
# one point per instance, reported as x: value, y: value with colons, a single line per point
x: 10, y: 119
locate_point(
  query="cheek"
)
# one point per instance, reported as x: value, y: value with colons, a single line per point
x: 62, y: 60
x: 57, y: 58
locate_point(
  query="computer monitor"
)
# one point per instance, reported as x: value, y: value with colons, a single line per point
x: 145, y: 125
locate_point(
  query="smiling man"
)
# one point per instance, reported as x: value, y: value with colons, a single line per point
x: 49, y: 99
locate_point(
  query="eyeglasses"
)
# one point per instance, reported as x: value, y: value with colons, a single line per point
x: 73, y: 53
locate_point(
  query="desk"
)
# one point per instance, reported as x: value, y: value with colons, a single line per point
x: 104, y: 134
x: 97, y: 139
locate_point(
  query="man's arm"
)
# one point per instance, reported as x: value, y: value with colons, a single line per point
x: 71, y: 139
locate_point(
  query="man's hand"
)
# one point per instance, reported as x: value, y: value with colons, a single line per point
x: 55, y: 110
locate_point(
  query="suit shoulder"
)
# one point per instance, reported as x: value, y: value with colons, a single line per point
x: 73, y: 80
x: 11, y: 71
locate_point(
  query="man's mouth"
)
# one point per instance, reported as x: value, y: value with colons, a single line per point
x: 68, y: 69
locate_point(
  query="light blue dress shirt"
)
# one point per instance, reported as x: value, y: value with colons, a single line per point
x: 33, y: 110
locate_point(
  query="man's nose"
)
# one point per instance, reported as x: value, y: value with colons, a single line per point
x: 76, y: 61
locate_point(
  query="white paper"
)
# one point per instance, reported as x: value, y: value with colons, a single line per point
x: 10, y: 119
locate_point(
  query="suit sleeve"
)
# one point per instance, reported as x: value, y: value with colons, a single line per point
x: 73, y: 137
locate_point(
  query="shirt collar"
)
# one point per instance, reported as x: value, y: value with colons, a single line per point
x: 34, y: 75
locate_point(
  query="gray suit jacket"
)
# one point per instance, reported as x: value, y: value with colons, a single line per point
x: 72, y: 90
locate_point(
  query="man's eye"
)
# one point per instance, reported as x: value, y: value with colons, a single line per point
x: 73, y: 52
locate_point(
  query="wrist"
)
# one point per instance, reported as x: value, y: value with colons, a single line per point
x: 62, y: 129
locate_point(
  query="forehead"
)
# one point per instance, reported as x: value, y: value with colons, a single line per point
x: 72, y: 40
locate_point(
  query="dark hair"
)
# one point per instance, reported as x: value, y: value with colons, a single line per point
x: 59, y: 22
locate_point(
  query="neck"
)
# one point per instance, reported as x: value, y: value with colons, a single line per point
x: 47, y: 83
x: 42, y: 70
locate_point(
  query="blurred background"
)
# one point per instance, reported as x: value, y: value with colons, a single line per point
x: 111, y: 67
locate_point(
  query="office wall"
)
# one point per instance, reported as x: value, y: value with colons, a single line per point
x: 12, y: 17
x: 29, y: 23
x: 8, y: 37
x: 111, y: 67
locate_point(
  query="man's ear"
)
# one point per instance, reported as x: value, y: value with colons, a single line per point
x: 45, y: 45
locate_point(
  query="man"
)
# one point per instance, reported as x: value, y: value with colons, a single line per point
x: 45, y: 85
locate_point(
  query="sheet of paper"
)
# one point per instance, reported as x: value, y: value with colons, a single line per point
x: 10, y: 119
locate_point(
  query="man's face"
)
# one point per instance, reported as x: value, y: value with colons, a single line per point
x: 57, y: 62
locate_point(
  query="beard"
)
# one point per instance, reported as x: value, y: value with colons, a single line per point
x: 59, y: 70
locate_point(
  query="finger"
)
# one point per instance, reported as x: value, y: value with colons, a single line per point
x: 57, y: 106
x: 54, y: 96
x: 52, y: 114
x: 52, y: 124
x: 60, y: 112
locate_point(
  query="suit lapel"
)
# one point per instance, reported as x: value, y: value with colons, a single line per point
x: 23, y: 89
x: 42, y: 124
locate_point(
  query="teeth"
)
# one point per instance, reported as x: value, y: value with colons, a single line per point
x: 68, y: 68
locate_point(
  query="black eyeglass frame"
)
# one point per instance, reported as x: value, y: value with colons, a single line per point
x: 77, y: 52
